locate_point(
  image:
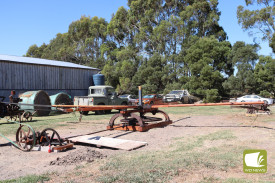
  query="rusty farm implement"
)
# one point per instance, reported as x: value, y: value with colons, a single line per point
x: 144, y: 117
x: 26, y: 137
x: 130, y: 118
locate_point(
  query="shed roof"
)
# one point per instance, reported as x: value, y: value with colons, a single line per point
x: 30, y: 60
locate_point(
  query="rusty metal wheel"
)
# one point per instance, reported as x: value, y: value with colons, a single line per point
x: 139, y: 119
x: 26, y: 116
x: 25, y: 137
x: 113, y: 120
x: 166, y: 117
x: 123, y: 120
x: 49, y: 137
x: 12, y: 118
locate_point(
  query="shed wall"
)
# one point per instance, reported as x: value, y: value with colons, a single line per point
x: 23, y: 77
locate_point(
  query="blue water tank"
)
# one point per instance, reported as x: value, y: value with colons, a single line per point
x: 98, y: 79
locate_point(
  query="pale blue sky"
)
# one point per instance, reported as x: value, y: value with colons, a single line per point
x: 24, y: 23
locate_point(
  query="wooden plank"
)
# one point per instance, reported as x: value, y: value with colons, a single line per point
x: 63, y: 147
x: 109, y: 142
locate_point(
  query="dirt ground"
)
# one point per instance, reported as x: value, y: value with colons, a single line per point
x: 251, y: 132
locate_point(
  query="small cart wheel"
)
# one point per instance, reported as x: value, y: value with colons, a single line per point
x: 12, y: 118
x: 25, y: 137
x: 26, y: 116
x: 49, y: 137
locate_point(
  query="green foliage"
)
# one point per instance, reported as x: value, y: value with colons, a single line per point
x: 201, y: 19
x: 233, y: 85
x: 265, y: 93
x: 118, y: 27
x: 265, y: 74
x: 262, y: 20
x: 28, y: 179
x: 272, y: 43
x: 212, y: 96
x: 243, y: 57
x: 35, y: 51
x: 125, y: 86
x: 80, y: 45
x: 164, y: 45
x: 207, y: 59
x: 152, y: 75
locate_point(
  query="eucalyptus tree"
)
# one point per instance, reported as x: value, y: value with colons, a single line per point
x: 259, y: 21
x: 243, y: 57
x: 208, y: 61
x: 35, y: 51
x: 265, y: 75
x: 86, y: 37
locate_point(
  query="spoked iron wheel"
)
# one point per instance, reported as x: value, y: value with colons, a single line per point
x: 49, y: 137
x: 26, y: 116
x: 25, y: 137
x: 12, y: 118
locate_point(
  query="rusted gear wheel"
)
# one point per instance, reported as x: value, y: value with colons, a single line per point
x: 49, y: 137
x: 166, y: 117
x: 125, y: 120
x: 139, y: 119
x: 26, y: 116
x: 25, y: 137
x: 113, y: 119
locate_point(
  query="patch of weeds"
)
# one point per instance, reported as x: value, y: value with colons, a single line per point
x: 163, y: 165
x: 190, y: 144
x: 262, y: 181
x: 69, y: 181
x: 77, y: 173
x: 178, y: 138
x: 79, y: 167
x: 28, y: 179
x: 220, y: 135
x: 203, y: 110
x: 236, y: 180
x: 209, y: 179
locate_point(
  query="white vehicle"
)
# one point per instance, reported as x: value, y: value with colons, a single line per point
x: 132, y: 99
x: 182, y: 96
x: 255, y: 98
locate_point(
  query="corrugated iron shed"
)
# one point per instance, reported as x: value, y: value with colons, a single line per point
x: 39, y: 61
x: 31, y: 74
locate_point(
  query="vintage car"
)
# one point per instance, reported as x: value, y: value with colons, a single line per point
x: 100, y: 95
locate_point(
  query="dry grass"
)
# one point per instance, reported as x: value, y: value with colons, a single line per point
x: 162, y: 166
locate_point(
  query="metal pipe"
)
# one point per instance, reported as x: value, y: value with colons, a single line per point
x: 209, y: 104
x: 71, y: 108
